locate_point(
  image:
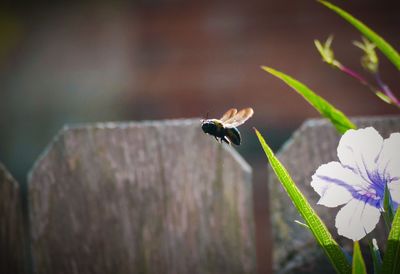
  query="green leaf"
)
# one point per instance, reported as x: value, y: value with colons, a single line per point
x: 391, y: 259
x: 314, y: 223
x: 337, y: 118
x: 358, y: 260
x: 376, y: 256
x: 388, y: 214
x: 384, y: 46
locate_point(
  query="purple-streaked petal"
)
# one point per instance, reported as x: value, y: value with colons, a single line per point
x: 389, y: 165
x: 356, y: 219
x: 389, y: 159
x: 359, y: 150
x: 335, y: 184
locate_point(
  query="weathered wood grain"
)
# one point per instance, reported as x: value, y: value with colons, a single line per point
x: 313, y: 144
x: 150, y: 197
x: 12, y: 244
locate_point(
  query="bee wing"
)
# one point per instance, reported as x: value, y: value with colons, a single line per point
x: 239, y: 118
x: 229, y: 114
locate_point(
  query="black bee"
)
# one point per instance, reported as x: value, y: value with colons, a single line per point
x: 224, y: 129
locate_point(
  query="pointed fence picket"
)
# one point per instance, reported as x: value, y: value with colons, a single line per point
x: 149, y: 197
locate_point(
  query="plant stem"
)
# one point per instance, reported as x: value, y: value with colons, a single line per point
x: 382, y: 86
x: 354, y: 74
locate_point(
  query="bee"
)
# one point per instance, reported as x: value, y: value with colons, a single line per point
x: 225, y: 128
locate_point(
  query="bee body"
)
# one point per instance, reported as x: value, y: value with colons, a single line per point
x: 233, y: 135
x: 225, y: 128
x: 213, y: 127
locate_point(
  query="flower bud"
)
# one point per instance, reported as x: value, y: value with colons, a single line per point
x: 369, y: 60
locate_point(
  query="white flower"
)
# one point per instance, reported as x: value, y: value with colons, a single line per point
x: 367, y: 164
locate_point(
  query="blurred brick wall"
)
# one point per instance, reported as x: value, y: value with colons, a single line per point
x: 206, y: 57
x: 96, y: 61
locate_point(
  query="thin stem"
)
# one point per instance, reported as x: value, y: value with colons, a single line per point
x: 386, y: 90
x: 358, y: 77
x: 354, y: 75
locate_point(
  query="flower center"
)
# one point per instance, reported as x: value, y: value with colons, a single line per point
x: 369, y: 194
x: 375, y: 191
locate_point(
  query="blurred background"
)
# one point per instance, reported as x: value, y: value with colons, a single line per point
x: 88, y: 61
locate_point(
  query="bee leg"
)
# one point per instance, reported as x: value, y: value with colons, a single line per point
x: 226, y: 140
x: 219, y: 139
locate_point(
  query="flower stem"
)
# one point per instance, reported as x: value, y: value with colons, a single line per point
x: 354, y: 74
x: 391, y: 98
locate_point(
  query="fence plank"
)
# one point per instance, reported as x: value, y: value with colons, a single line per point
x: 12, y: 244
x: 151, y: 197
x: 313, y: 144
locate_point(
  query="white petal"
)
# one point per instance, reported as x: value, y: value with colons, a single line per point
x: 335, y: 184
x: 356, y: 219
x: 389, y: 159
x: 359, y: 150
x: 335, y: 196
x: 394, y: 189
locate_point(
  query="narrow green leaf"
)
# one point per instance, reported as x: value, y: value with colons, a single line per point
x: 314, y: 223
x: 391, y: 259
x: 337, y: 118
x: 358, y: 260
x: 388, y: 213
x: 376, y: 256
x: 384, y: 46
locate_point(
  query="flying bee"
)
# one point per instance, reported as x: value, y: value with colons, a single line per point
x: 225, y: 128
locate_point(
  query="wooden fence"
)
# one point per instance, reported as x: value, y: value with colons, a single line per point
x: 13, y: 246
x: 150, y: 197
x: 161, y: 197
